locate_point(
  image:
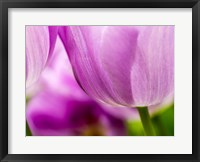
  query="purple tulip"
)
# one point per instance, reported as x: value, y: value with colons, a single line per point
x: 131, y: 66
x: 62, y: 108
x: 50, y: 113
x: 40, y: 42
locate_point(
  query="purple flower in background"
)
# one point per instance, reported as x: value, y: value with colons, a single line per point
x: 50, y: 113
x: 40, y: 42
x: 61, y: 107
x: 122, y: 65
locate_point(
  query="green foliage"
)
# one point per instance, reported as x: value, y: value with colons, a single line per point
x: 135, y: 128
x: 28, y: 131
x: 163, y: 123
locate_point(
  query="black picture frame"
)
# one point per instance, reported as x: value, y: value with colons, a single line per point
x: 4, y: 99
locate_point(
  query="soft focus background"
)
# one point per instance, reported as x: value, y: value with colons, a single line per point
x: 57, y: 106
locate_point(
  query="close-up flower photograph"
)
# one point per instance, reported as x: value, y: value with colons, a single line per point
x: 99, y: 80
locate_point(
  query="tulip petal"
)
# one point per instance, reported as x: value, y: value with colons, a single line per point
x: 89, y: 49
x: 37, y: 50
x: 62, y: 108
x: 53, y: 32
x: 128, y: 66
x: 153, y: 72
x: 84, y: 61
x: 40, y: 42
x: 117, y: 53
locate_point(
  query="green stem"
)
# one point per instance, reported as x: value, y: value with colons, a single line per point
x: 146, y: 121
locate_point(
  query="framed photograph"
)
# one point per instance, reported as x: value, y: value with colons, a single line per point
x: 105, y: 80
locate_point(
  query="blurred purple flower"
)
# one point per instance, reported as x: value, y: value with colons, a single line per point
x: 40, y: 42
x: 54, y: 114
x: 131, y: 66
x: 61, y: 107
